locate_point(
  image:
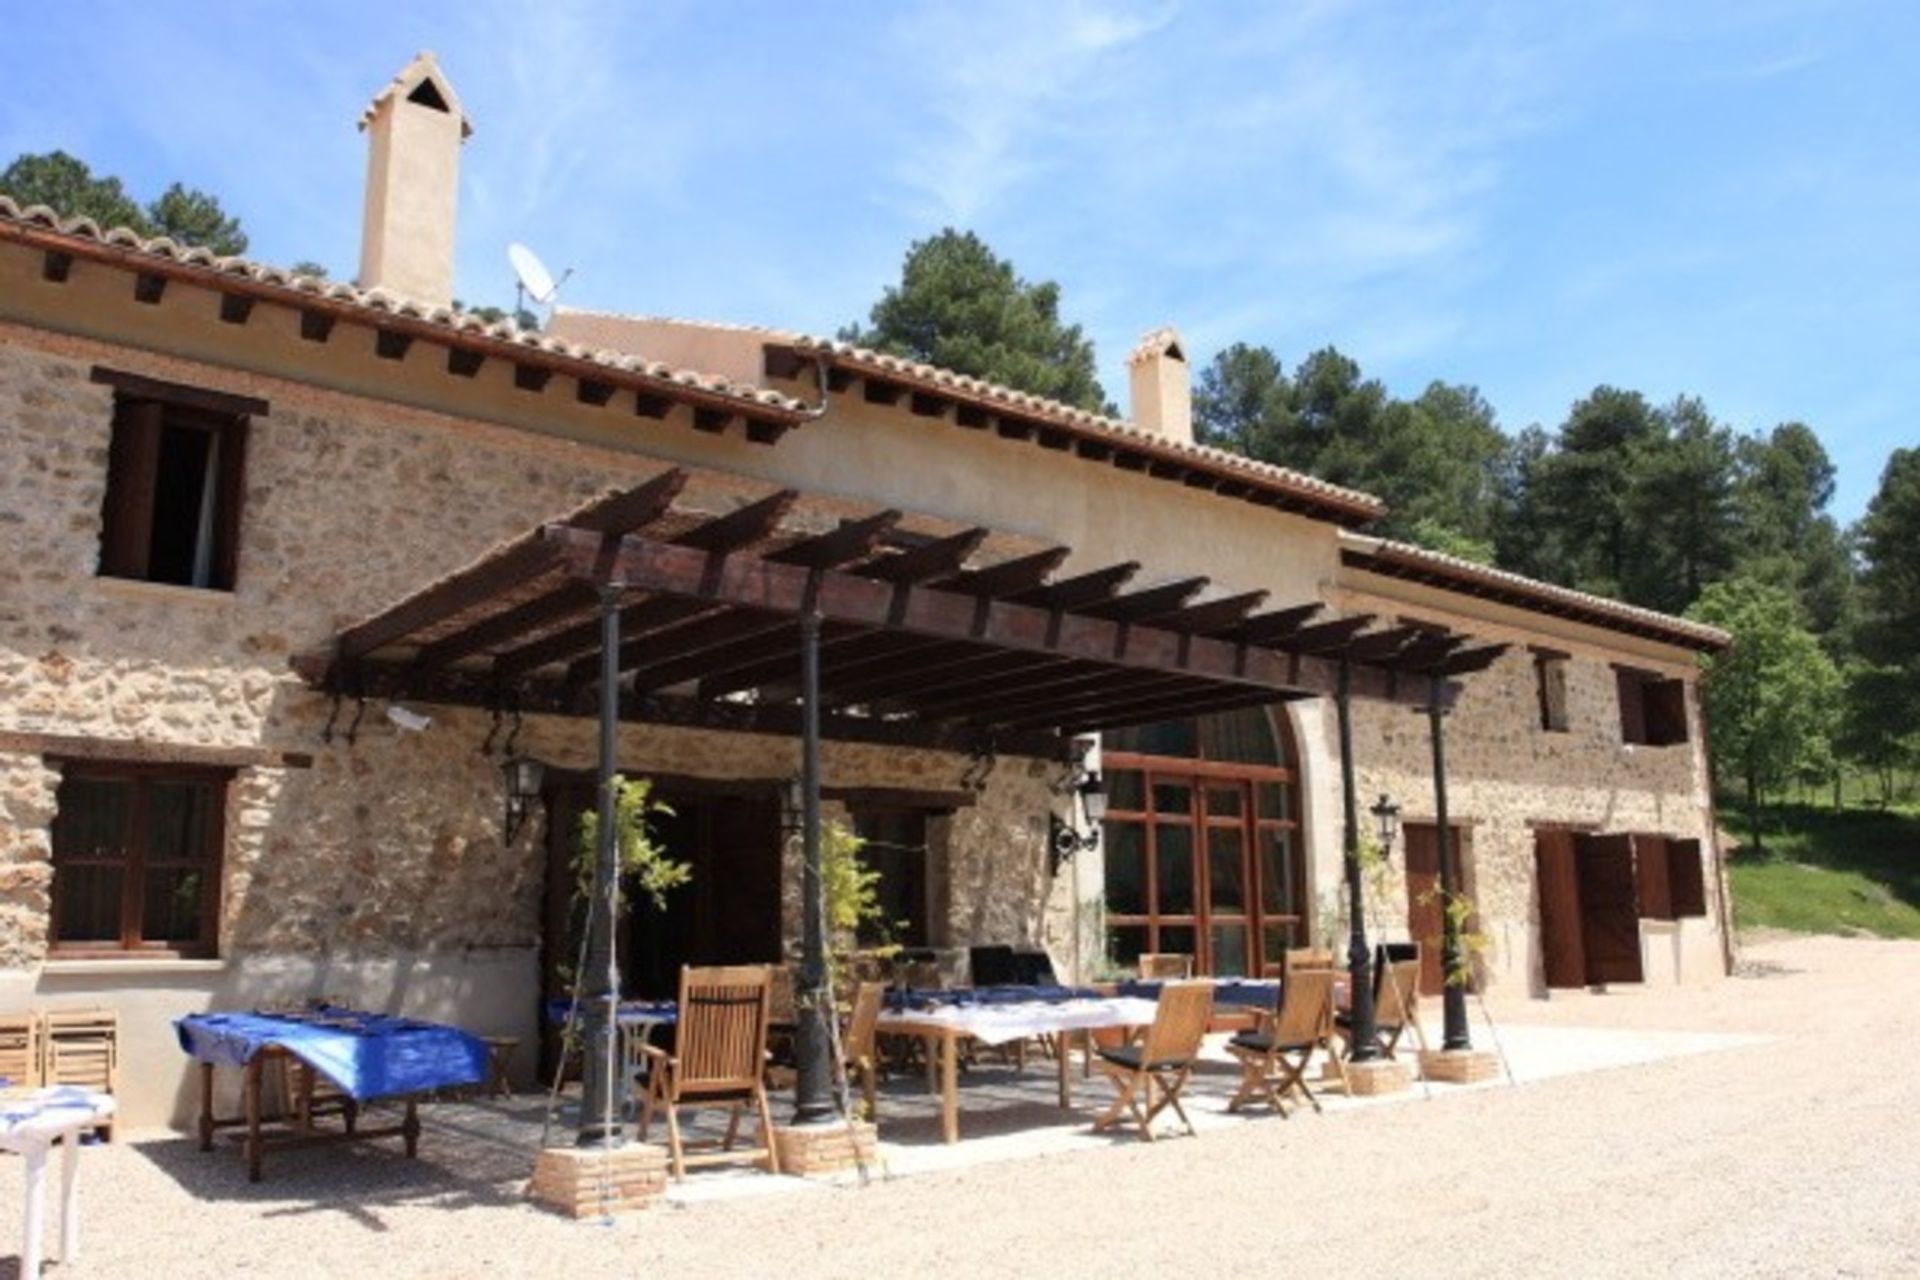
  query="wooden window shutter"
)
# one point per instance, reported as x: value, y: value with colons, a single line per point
x: 1666, y: 711
x: 1687, y: 877
x: 1609, y: 908
x: 1562, y: 953
x: 1633, y: 705
x: 133, y: 460
x: 1652, y: 878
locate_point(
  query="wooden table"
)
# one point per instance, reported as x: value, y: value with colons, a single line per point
x: 301, y: 1131
x: 31, y: 1121
x: 944, y: 1027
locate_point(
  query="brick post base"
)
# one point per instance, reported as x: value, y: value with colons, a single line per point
x: 589, y: 1183
x: 825, y: 1148
x: 1382, y: 1075
x: 1459, y: 1066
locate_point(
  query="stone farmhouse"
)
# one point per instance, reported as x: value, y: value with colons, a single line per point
x: 255, y: 704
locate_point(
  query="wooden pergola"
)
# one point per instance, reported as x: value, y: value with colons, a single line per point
x: 633, y: 608
x: 919, y: 644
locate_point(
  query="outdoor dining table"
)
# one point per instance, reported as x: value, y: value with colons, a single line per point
x: 367, y: 1056
x: 31, y: 1121
x: 945, y: 1019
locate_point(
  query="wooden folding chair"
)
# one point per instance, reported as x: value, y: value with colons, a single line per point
x: 719, y: 1060
x: 1162, y: 1060
x: 859, y: 1045
x: 20, y: 1051
x: 1273, y: 1059
x: 1165, y: 966
x: 81, y: 1047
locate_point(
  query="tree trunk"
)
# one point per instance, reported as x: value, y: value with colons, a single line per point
x: 1753, y: 805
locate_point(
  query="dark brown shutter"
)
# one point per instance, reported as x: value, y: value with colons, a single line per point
x: 1425, y: 912
x: 133, y: 461
x: 1666, y: 711
x: 233, y: 474
x: 1650, y: 870
x: 1633, y: 705
x: 1687, y: 877
x: 1609, y: 908
x: 1562, y: 952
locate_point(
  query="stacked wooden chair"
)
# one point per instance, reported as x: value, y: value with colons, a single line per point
x: 1162, y: 1060
x: 82, y: 1047
x: 20, y: 1052
x: 718, y: 1060
x: 1274, y: 1058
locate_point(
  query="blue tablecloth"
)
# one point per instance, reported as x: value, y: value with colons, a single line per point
x: 1250, y: 993
x: 666, y: 1012
x: 368, y: 1055
x: 899, y: 1000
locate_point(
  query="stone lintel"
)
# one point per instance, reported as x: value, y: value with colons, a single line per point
x: 589, y: 1183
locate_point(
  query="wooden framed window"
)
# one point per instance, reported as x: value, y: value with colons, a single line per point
x: 1550, y: 680
x: 175, y: 473
x: 896, y: 848
x: 1671, y: 881
x: 1202, y: 843
x: 137, y: 853
x: 1653, y: 708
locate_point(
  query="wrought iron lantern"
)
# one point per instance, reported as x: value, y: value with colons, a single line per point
x: 524, y: 776
x: 1067, y: 840
x: 1386, y: 822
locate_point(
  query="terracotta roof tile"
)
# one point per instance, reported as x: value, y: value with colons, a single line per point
x: 376, y: 302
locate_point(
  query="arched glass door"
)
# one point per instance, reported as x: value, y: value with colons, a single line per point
x: 1203, y: 842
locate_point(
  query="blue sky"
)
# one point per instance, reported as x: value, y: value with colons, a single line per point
x: 1721, y: 199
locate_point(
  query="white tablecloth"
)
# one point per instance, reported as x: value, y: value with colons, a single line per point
x: 30, y: 1123
x: 1004, y: 1023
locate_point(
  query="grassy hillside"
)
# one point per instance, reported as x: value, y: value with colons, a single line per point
x: 1852, y: 872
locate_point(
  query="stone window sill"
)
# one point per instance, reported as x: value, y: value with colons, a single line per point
x: 131, y: 965
x: 135, y: 589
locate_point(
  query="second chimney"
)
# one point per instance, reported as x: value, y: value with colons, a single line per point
x: 414, y: 130
x: 1162, y: 386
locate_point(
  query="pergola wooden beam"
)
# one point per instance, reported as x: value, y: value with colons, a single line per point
x: 1327, y: 637
x: 742, y: 527
x: 1274, y: 626
x: 1168, y: 597
x: 524, y: 559
x: 940, y: 558
x: 1214, y: 616
x: 646, y: 616
x: 1009, y: 577
x: 572, y: 597
x: 1082, y: 589
x: 853, y: 540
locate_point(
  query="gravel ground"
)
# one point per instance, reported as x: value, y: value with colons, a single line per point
x: 1800, y: 1156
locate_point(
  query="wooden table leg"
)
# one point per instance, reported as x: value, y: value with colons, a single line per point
x: 206, y: 1106
x: 36, y: 1197
x: 410, y: 1127
x: 1066, y: 1072
x: 252, y: 1091
x: 70, y: 1197
x: 950, y: 1087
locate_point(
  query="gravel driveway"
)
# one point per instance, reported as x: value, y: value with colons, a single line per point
x: 1799, y: 1156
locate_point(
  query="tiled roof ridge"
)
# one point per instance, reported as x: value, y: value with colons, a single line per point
x: 1040, y: 406
x: 1440, y: 560
x: 383, y: 302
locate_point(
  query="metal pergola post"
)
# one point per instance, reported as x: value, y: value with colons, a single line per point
x: 1365, y: 1041
x: 1453, y: 1000
x: 813, y: 1091
x: 602, y: 1095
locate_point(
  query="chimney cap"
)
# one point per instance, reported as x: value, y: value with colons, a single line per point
x: 423, y: 81
x: 1164, y: 341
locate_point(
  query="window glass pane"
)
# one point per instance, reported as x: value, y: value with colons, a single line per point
x: 1240, y: 737
x: 896, y: 849
x: 1229, y: 950
x: 170, y: 911
x: 1126, y: 848
x: 178, y: 817
x: 1277, y: 869
x: 1174, y: 866
x: 183, y: 516
x: 1275, y: 799
x: 87, y: 901
x: 1125, y: 942
x: 1127, y: 790
x: 1172, y: 799
x: 91, y: 821
x: 1224, y: 802
x: 1177, y: 939
x: 1275, y: 938
x: 1226, y: 869
x: 1168, y: 738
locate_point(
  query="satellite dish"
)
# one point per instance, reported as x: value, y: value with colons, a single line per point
x: 532, y: 273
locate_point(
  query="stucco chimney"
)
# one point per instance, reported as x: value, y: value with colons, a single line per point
x: 414, y: 130
x: 1162, y: 386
